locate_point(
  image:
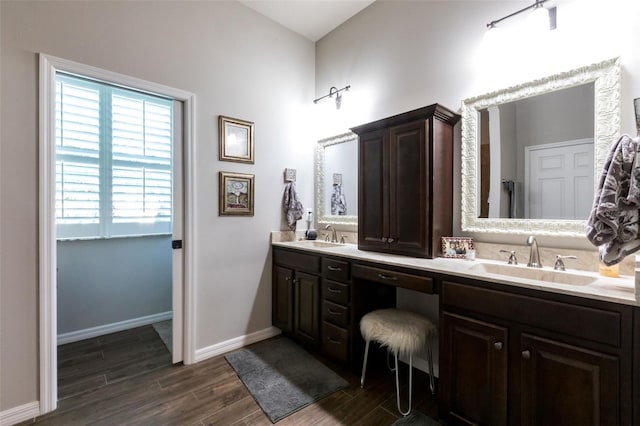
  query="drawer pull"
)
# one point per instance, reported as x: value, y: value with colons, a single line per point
x: 332, y: 312
x: 334, y: 268
x: 334, y: 290
x: 388, y: 277
x: 526, y: 354
x: 390, y: 240
x: 334, y: 341
x: 498, y: 345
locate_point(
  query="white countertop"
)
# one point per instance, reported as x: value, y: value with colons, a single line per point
x: 618, y: 290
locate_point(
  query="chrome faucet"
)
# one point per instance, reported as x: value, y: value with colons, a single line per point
x: 512, y: 257
x: 559, y: 266
x: 534, y: 255
x: 334, y: 235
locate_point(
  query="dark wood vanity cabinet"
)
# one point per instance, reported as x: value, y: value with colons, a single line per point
x: 405, y: 182
x: 336, y: 309
x: 519, y: 359
x: 474, y: 379
x: 296, y: 295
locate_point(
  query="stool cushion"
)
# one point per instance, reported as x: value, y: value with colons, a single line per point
x: 403, y: 332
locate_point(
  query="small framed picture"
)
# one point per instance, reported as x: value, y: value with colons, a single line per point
x: 236, y: 194
x: 236, y: 140
x: 456, y: 247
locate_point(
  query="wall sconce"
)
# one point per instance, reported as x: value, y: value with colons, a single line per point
x: 334, y: 91
x: 536, y: 8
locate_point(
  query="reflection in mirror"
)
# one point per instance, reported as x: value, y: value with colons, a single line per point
x: 336, y: 181
x: 513, y: 140
x: 536, y: 156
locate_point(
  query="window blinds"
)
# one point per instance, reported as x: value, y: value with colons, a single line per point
x: 113, y: 161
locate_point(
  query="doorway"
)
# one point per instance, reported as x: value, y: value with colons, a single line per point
x: 557, y: 175
x: 182, y: 295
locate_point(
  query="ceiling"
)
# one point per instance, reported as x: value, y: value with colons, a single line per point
x: 312, y: 19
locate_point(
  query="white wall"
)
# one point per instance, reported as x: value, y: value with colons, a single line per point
x: 239, y: 64
x: 101, y: 282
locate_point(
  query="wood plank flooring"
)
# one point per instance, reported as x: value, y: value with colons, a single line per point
x: 127, y: 379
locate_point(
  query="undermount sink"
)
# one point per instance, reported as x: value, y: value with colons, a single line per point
x: 317, y: 243
x: 549, y: 275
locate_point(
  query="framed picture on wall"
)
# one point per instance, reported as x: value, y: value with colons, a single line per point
x: 236, y: 139
x: 236, y: 194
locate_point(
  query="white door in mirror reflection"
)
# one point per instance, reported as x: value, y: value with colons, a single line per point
x: 559, y: 180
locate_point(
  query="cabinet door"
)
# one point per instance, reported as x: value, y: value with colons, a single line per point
x: 567, y: 385
x: 282, y: 302
x: 373, y: 188
x: 473, y: 372
x: 307, y: 308
x: 408, y: 188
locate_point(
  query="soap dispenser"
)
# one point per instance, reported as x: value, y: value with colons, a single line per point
x: 310, y: 234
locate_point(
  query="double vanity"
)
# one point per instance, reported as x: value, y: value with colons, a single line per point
x: 518, y: 345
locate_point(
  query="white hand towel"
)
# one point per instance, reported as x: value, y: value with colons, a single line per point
x: 291, y: 205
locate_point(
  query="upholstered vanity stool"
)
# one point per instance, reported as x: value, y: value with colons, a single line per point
x: 402, y: 333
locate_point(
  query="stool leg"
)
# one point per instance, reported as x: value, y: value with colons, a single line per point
x: 432, y: 385
x: 410, y: 385
x: 364, y: 364
x: 389, y: 366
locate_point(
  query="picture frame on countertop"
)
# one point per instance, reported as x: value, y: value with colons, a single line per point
x: 456, y: 247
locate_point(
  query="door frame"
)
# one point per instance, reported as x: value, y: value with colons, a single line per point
x: 49, y: 65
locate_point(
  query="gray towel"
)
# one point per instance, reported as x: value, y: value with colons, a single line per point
x: 291, y: 205
x: 614, y: 223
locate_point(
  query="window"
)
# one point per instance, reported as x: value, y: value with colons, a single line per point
x: 113, y: 160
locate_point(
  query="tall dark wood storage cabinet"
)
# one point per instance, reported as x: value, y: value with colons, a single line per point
x: 405, y: 182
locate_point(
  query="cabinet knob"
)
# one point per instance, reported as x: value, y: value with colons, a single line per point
x: 526, y: 354
x: 383, y: 239
x: 390, y: 240
x: 498, y: 345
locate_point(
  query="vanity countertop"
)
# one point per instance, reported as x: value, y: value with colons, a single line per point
x: 572, y: 282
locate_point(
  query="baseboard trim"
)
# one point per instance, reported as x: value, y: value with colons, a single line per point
x: 235, y: 343
x: 20, y: 413
x: 88, y: 333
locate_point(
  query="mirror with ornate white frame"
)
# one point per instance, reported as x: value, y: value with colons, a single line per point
x: 336, y: 182
x: 605, y: 77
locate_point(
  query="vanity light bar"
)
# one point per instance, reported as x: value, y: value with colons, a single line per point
x: 537, y: 4
x: 334, y: 91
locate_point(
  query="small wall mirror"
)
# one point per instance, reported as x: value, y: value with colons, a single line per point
x: 336, y: 182
x: 532, y: 154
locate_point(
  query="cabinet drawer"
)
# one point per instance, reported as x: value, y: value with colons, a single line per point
x: 335, y: 291
x: 335, y: 269
x: 297, y: 260
x: 335, y: 342
x: 334, y: 313
x: 397, y: 279
x: 597, y: 325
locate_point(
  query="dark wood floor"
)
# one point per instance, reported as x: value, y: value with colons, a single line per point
x: 127, y: 378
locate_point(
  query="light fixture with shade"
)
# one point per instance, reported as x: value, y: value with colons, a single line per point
x: 334, y: 91
x: 538, y: 14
